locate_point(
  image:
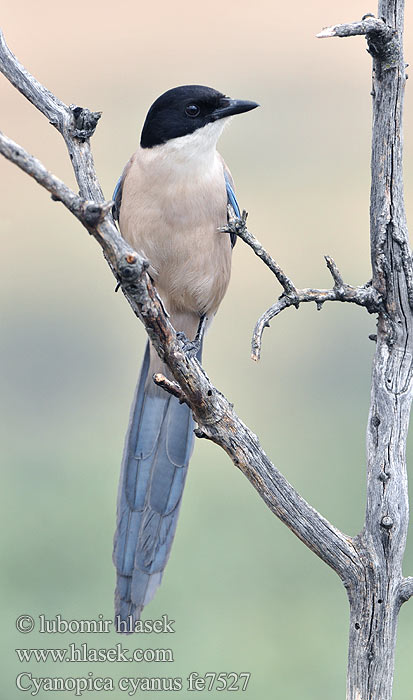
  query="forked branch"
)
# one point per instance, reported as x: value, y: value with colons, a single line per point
x: 366, y: 296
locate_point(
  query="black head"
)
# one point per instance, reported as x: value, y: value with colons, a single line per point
x: 185, y: 109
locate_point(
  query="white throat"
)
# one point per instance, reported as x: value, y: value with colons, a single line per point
x: 192, y: 153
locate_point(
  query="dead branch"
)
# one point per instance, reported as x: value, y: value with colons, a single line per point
x: 366, y: 295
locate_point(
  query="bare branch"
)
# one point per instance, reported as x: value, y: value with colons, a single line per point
x: 335, y: 272
x: 382, y: 39
x: 238, y: 226
x: 264, y: 322
x: 76, y: 124
x: 171, y: 387
x: 39, y: 96
x: 366, y: 296
x: 89, y: 213
x: 367, y: 25
x: 362, y: 296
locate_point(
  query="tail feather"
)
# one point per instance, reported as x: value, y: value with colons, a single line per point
x: 157, y: 450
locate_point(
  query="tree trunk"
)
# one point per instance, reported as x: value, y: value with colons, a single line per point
x: 375, y: 599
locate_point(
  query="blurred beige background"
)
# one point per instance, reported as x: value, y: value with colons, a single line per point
x: 245, y: 594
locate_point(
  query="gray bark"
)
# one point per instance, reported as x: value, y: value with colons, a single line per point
x: 370, y: 565
x: 375, y: 601
x: 375, y: 598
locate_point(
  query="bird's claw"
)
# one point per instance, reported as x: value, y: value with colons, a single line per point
x: 190, y: 347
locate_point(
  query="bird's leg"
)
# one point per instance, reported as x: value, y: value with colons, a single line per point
x: 201, y: 329
x: 192, y: 347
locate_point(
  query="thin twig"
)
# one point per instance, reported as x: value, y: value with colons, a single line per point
x: 362, y: 296
x: 171, y: 387
x: 238, y: 226
x: 366, y: 296
x: 335, y: 272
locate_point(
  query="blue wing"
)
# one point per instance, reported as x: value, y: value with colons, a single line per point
x: 117, y: 197
x: 232, y: 200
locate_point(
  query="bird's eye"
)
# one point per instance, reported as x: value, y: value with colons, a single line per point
x: 192, y: 110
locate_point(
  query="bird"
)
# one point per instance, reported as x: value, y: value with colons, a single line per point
x: 170, y: 203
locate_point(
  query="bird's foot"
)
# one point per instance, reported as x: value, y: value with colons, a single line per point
x: 235, y: 224
x: 190, y: 347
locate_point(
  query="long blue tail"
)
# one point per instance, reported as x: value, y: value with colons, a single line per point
x: 157, y: 449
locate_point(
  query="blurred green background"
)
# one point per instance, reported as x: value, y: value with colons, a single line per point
x: 245, y: 594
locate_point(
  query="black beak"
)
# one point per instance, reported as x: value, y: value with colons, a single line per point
x: 229, y: 107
